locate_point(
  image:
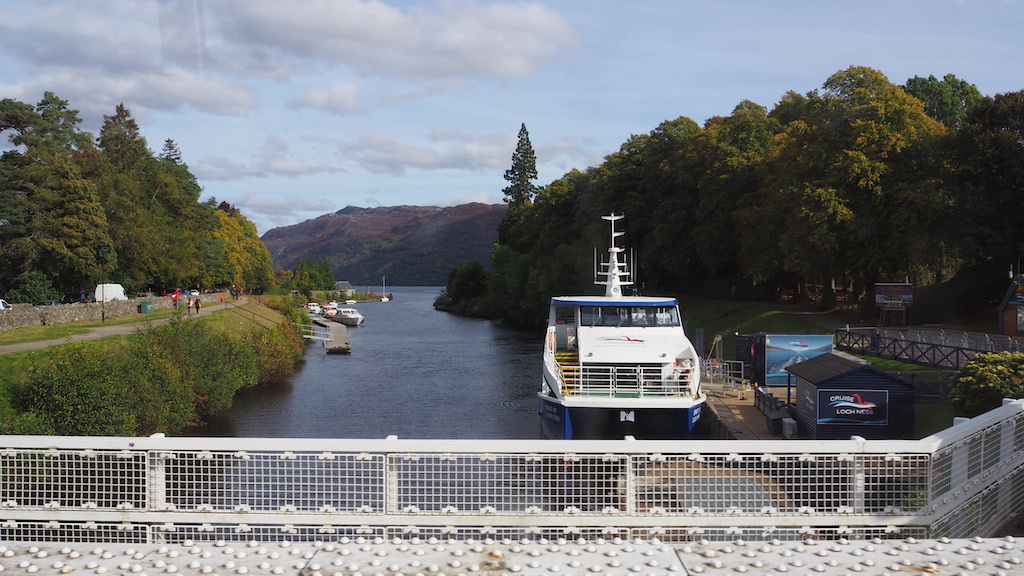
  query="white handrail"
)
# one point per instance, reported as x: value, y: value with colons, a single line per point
x: 386, y: 486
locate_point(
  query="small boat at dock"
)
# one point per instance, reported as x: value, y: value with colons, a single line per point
x: 348, y: 317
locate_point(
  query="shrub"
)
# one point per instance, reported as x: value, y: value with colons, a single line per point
x: 278, y: 351
x: 982, y: 384
x: 81, y: 389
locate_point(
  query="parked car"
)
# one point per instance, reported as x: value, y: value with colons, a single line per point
x: 193, y: 292
x: 47, y: 303
x: 80, y: 298
x: 4, y: 306
x: 172, y: 292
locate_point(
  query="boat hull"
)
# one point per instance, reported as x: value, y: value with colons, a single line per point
x: 348, y: 320
x: 562, y: 422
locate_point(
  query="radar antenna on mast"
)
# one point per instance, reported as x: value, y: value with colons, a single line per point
x: 614, y: 272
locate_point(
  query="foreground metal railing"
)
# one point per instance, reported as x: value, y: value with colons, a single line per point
x: 965, y: 481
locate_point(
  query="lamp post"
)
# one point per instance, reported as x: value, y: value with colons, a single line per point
x: 103, y: 287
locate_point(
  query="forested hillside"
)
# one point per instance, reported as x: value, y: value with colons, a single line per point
x: 410, y: 245
x: 860, y: 182
x: 75, y: 210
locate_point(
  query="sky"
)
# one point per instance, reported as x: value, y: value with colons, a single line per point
x: 294, y: 109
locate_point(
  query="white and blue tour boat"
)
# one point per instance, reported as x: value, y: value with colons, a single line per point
x: 617, y: 366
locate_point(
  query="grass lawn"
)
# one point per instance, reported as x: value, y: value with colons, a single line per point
x: 727, y: 317
x: 232, y: 317
x: 932, y: 417
x: 58, y: 331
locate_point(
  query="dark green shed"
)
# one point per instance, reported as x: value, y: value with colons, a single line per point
x: 837, y: 398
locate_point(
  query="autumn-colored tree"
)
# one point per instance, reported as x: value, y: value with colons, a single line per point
x: 853, y: 188
x: 247, y: 260
x: 72, y: 214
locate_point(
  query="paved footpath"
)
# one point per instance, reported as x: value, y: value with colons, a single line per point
x: 114, y: 329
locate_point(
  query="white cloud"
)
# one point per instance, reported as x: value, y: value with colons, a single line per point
x: 446, y: 149
x: 269, y: 211
x: 338, y: 99
x: 446, y: 39
x: 273, y: 158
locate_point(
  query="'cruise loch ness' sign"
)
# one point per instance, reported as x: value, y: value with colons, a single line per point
x: 853, y: 406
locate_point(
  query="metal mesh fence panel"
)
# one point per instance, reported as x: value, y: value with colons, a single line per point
x: 74, y: 532
x: 72, y: 479
x: 272, y: 482
x: 509, y: 483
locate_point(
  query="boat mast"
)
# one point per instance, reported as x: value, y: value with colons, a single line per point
x: 614, y: 271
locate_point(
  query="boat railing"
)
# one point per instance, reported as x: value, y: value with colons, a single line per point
x: 629, y: 381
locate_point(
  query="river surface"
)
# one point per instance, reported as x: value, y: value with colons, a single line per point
x: 414, y: 372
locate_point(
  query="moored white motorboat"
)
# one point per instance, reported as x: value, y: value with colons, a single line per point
x: 329, y: 310
x: 617, y: 366
x: 348, y: 316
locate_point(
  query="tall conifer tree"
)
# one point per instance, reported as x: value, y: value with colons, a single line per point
x: 520, y: 176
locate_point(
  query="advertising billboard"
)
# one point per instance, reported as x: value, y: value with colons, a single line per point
x: 894, y: 295
x: 784, y: 350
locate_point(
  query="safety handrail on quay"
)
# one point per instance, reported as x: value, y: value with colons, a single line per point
x: 962, y: 482
x: 942, y: 348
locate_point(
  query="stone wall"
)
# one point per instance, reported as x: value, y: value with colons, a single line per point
x: 27, y: 315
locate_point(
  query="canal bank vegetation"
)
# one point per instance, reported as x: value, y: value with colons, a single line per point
x: 814, y: 200
x: 158, y: 379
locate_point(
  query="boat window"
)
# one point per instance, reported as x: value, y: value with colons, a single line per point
x: 565, y: 315
x: 588, y: 315
x: 635, y: 316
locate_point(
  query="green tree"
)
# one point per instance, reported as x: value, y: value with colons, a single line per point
x: 519, y: 193
x: 324, y: 275
x: 988, y: 161
x: 733, y: 149
x: 945, y: 100
x: 171, y: 153
x: 522, y: 173
x: 466, y: 282
x: 57, y: 225
x: 120, y: 141
x: 851, y: 189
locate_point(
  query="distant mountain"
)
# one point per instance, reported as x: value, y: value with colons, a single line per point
x: 411, y: 245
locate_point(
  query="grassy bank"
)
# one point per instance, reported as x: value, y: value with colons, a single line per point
x: 157, y: 378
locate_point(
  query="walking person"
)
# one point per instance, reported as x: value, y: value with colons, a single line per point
x: 196, y: 301
x: 188, y: 306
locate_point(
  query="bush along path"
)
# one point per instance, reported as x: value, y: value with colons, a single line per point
x: 157, y: 379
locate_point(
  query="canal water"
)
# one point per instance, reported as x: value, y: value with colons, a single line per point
x: 414, y: 372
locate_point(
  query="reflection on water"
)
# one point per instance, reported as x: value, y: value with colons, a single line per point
x: 413, y: 372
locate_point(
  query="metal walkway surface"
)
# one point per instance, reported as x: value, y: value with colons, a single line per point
x: 376, y: 556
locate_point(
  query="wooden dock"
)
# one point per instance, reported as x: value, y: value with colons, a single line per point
x: 738, y: 415
x: 337, y: 342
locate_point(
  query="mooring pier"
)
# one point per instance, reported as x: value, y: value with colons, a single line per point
x: 336, y: 341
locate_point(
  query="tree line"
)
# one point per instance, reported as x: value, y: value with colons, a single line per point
x: 862, y: 181
x: 77, y: 210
